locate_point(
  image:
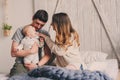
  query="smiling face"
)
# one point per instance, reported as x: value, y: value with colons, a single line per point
x: 32, y: 31
x: 29, y: 31
x: 37, y: 24
x: 39, y: 19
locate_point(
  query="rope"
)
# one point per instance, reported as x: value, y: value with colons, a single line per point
x: 107, y: 33
x: 54, y: 12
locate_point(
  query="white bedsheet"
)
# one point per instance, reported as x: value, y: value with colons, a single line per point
x: 95, y: 60
x: 3, y: 76
x: 109, y: 66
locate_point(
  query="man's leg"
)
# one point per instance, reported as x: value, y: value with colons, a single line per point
x: 18, y: 68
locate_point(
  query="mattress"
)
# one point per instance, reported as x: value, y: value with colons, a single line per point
x: 3, y: 76
x: 109, y: 66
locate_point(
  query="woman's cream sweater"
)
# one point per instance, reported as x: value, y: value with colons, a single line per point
x: 65, y: 57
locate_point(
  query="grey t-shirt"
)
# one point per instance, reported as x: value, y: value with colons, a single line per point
x: 18, y: 36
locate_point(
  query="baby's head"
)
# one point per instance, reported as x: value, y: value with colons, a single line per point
x: 29, y: 31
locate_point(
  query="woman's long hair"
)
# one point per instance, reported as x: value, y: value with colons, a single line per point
x: 62, y: 25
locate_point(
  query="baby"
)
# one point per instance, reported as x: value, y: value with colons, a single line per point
x: 28, y: 41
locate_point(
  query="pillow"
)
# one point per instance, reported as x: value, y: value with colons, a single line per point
x: 98, y: 66
x: 92, y: 56
x: 3, y: 76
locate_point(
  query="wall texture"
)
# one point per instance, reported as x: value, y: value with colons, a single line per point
x: 19, y: 13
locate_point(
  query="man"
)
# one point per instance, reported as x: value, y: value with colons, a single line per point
x: 38, y: 21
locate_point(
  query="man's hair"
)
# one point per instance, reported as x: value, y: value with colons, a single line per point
x: 42, y: 15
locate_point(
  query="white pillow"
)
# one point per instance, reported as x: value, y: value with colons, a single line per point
x: 89, y: 57
x: 98, y: 66
x: 92, y: 56
x: 3, y: 76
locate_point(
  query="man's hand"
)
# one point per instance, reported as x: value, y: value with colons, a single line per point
x: 22, y: 53
x: 30, y: 66
x: 14, y: 48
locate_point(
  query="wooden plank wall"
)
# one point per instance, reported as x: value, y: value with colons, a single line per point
x: 86, y: 21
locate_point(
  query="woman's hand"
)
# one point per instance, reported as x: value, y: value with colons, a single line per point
x: 30, y: 66
x: 41, y: 35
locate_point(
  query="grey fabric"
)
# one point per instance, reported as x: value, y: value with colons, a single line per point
x: 18, y: 35
x: 17, y: 69
x: 43, y: 32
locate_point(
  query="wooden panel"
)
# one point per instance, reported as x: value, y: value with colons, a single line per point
x: 110, y: 13
x: 90, y: 27
x: 105, y: 45
x: 98, y: 28
x: 118, y: 17
x: 118, y: 26
x: 118, y: 21
x: 80, y: 23
x: 87, y: 22
x: 40, y: 4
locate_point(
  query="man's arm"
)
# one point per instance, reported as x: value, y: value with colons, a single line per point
x: 43, y: 61
x: 22, y: 53
x: 46, y: 57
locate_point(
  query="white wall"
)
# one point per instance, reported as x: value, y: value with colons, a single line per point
x: 19, y: 14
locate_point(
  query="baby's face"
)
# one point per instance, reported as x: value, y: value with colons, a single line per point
x: 32, y: 31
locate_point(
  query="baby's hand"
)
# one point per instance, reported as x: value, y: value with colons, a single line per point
x: 41, y: 39
x: 41, y: 43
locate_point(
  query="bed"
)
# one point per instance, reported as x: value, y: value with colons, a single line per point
x: 57, y: 73
x: 98, y: 61
x: 3, y: 76
x: 107, y: 69
x: 47, y: 73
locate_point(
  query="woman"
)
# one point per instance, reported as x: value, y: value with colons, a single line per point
x: 66, y: 45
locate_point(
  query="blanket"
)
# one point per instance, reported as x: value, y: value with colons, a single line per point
x: 57, y: 73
